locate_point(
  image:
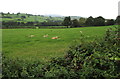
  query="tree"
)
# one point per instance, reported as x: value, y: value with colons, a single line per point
x: 2, y: 13
x: 117, y: 21
x: 82, y: 21
x: 8, y: 13
x: 110, y: 22
x: 89, y: 21
x: 67, y: 21
x: 18, y: 13
x: 75, y: 23
x: 99, y: 21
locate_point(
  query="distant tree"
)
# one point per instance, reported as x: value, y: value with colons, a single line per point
x: 67, y: 21
x: 18, y: 13
x: 117, y: 21
x: 8, y: 13
x: 2, y: 13
x: 29, y: 15
x: 110, y: 22
x: 82, y: 21
x: 89, y: 21
x: 99, y: 21
x: 75, y: 23
x: 23, y: 17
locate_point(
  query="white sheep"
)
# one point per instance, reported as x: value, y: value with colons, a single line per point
x: 45, y: 35
x: 31, y: 36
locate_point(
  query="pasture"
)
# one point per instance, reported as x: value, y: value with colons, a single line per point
x: 31, y: 44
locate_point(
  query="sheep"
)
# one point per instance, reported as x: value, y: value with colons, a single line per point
x: 31, y: 36
x: 81, y: 32
x: 45, y: 35
x: 55, y: 37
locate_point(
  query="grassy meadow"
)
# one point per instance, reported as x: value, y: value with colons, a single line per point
x: 17, y: 43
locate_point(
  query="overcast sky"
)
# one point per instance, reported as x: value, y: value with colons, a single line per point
x: 85, y: 8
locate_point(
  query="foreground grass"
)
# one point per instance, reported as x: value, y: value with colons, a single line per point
x: 17, y: 44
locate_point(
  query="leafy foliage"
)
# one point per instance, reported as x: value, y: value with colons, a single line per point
x: 110, y: 22
x: 82, y: 21
x: 75, y: 23
x: 99, y: 21
x: 67, y: 21
x: 90, y: 21
x: 117, y: 20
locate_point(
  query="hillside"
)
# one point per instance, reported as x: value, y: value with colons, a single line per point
x: 23, y: 17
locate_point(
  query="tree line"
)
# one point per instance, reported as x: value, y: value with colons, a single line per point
x: 90, y: 21
x: 67, y: 21
x: 22, y: 24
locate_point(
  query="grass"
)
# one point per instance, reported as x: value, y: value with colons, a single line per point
x: 17, y: 44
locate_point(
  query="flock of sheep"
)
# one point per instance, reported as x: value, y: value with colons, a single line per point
x: 56, y: 37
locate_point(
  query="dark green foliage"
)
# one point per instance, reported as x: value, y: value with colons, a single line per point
x: 110, y: 22
x: 99, y: 21
x: 82, y: 21
x: 90, y: 21
x: 88, y: 60
x: 75, y: 23
x: 117, y: 20
x: 67, y: 21
x: 21, y: 68
x: 113, y: 36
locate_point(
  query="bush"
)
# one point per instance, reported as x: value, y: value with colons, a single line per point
x: 21, y: 68
x: 94, y: 60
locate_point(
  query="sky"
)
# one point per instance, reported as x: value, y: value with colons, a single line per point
x: 84, y: 8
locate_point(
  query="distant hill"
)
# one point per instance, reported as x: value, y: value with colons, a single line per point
x: 23, y: 17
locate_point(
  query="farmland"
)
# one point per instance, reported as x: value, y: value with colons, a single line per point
x: 17, y: 43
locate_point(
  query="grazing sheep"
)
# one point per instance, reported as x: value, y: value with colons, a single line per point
x: 80, y: 31
x: 55, y: 37
x: 45, y: 35
x: 31, y: 36
x: 37, y: 27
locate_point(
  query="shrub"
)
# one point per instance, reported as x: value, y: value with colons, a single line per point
x: 97, y: 59
x: 21, y: 68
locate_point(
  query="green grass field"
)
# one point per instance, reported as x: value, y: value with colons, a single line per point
x: 18, y: 44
